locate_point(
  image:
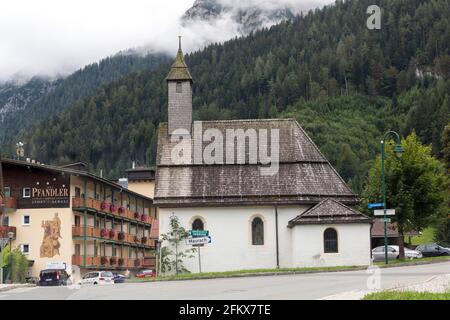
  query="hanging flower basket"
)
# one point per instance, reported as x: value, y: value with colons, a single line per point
x: 112, y: 233
x: 137, y: 239
x: 144, y: 217
x: 113, y: 260
x: 121, y: 261
x: 137, y: 215
x: 104, y: 233
x: 112, y: 208
x: 121, y: 210
x: 144, y: 240
x: 121, y: 235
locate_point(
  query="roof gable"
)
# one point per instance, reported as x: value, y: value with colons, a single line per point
x: 304, y: 174
x: 329, y: 211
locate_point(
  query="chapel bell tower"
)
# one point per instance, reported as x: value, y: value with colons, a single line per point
x: 179, y: 83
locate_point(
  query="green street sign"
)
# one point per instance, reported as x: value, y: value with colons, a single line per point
x: 388, y: 220
x: 198, y: 233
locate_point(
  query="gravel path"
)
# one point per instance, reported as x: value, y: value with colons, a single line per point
x: 437, y: 284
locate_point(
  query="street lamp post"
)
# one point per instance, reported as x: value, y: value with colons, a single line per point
x: 398, y: 149
x: 10, y: 236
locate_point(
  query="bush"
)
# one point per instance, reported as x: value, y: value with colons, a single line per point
x: 19, y: 269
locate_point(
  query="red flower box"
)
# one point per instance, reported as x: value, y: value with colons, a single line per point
x: 104, y: 205
x: 104, y: 233
x: 103, y: 260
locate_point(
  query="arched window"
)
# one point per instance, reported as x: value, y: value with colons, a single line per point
x: 330, y: 241
x: 198, y: 224
x: 257, y: 232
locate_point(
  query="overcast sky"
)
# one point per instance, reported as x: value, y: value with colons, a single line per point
x: 53, y: 37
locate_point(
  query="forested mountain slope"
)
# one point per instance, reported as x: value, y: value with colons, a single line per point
x: 50, y: 98
x: 344, y: 83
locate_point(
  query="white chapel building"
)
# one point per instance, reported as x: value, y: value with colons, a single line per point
x: 299, y: 216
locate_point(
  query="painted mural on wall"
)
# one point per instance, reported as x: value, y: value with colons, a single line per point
x: 52, y: 233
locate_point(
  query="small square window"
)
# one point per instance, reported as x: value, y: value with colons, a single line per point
x: 6, y: 220
x: 25, y: 248
x: 27, y: 192
x: 7, y: 192
x: 26, y: 220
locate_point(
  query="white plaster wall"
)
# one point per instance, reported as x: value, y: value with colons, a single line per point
x: 230, y: 229
x: 353, y: 245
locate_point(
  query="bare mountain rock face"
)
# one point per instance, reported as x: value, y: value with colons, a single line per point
x: 248, y: 15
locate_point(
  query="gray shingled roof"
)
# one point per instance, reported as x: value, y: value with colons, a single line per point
x: 329, y: 211
x: 304, y: 176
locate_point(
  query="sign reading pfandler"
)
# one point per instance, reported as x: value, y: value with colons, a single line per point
x: 45, y: 191
x: 198, y: 240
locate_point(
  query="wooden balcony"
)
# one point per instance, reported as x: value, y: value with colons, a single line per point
x: 8, y: 204
x: 114, y: 262
x: 112, y: 235
x: 4, y: 230
x: 108, y: 208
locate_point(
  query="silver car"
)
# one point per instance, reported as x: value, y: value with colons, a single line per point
x: 393, y: 253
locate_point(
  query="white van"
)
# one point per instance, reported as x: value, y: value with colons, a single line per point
x: 97, y: 277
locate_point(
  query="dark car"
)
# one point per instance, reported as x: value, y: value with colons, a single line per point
x: 433, y: 250
x: 118, y: 278
x: 54, y: 277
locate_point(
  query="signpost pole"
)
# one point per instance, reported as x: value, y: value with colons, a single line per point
x: 199, y: 260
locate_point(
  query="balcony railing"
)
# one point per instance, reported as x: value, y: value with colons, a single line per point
x: 4, y: 230
x: 8, y: 204
x: 107, y: 207
x: 115, y: 235
x: 114, y: 262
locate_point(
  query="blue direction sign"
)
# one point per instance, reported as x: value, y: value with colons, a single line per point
x: 198, y: 233
x: 376, y: 205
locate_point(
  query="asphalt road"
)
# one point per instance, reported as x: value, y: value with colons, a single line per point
x: 304, y: 286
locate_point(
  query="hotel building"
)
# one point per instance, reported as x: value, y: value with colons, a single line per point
x: 66, y: 215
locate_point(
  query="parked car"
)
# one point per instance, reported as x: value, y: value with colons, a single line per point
x: 54, y: 277
x: 393, y: 253
x: 433, y: 250
x: 148, y: 273
x: 97, y: 278
x: 118, y: 278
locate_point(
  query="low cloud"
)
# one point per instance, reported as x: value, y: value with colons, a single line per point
x: 54, y: 38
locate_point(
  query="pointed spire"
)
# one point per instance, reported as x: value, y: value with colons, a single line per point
x: 179, y: 70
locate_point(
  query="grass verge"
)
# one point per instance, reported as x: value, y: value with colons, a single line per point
x: 268, y: 272
x: 408, y: 262
x: 243, y: 273
x: 407, y: 295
